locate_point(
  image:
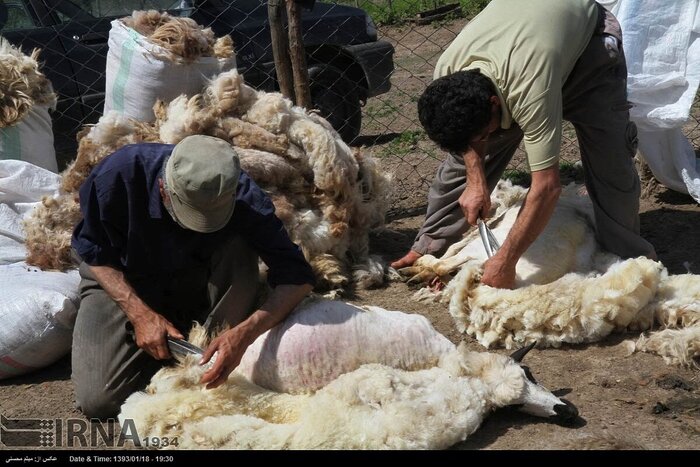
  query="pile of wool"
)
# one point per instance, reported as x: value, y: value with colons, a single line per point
x: 327, y: 195
x: 335, y: 376
x: 567, y: 289
x: 22, y: 84
x: 182, y: 39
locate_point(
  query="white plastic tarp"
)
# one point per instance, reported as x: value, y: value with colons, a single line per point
x: 662, y: 47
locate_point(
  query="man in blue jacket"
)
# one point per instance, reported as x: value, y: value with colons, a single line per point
x: 171, y: 235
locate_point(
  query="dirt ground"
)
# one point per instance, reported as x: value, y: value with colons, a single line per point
x: 625, y: 402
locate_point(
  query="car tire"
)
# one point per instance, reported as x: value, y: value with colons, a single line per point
x: 337, y: 100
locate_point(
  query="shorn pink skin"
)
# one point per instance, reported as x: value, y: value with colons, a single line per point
x: 326, y: 339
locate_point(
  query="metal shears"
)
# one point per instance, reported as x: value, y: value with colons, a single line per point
x: 491, y: 245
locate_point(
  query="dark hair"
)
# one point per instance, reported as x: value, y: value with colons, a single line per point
x: 456, y: 108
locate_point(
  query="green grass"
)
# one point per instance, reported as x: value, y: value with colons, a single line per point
x: 570, y: 172
x: 404, y: 143
x: 408, y: 138
x: 380, y: 110
x: 398, y: 11
x: 517, y: 177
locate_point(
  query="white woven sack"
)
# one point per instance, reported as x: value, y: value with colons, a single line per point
x: 30, y: 140
x: 37, y: 313
x: 139, y: 73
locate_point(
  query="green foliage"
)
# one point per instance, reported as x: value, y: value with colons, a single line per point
x: 399, y: 11
x: 472, y: 7
x: 408, y: 138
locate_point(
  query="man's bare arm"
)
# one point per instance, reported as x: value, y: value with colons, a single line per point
x: 232, y: 344
x: 475, y: 201
x: 150, y: 327
x: 499, y: 271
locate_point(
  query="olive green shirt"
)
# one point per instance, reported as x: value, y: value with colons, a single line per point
x: 527, y: 48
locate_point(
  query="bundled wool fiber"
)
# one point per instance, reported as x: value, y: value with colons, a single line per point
x: 327, y: 195
x: 182, y: 38
x: 22, y: 84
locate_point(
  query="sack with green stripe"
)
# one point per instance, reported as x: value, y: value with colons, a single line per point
x: 30, y: 140
x: 140, y: 72
x: 26, y: 96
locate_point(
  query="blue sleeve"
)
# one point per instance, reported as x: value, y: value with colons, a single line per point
x: 268, y: 237
x: 97, y: 239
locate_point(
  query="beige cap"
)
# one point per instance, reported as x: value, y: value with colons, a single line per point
x: 201, y: 177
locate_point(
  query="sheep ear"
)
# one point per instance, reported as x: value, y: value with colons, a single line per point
x: 519, y: 354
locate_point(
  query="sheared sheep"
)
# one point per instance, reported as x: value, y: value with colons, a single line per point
x: 328, y: 196
x: 335, y: 376
x: 22, y: 84
x: 568, y: 290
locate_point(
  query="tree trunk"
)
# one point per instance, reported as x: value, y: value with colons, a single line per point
x: 280, y: 48
x: 298, y: 56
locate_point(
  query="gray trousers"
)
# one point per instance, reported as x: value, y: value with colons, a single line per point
x: 108, y: 367
x: 595, y: 102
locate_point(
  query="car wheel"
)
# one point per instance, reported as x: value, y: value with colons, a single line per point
x: 337, y: 100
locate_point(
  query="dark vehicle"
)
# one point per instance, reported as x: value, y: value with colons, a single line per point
x: 347, y: 64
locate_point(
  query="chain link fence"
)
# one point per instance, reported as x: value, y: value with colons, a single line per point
x: 366, y: 76
x: 420, y: 32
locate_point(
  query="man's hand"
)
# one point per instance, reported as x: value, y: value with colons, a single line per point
x: 475, y: 202
x: 150, y: 328
x: 231, y: 346
x: 151, y: 331
x: 498, y: 273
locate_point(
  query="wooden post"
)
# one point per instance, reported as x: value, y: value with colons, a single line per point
x: 298, y: 56
x: 280, y: 48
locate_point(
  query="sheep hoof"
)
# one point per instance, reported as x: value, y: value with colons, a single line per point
x: 409, y: 271
x: 422, y: 277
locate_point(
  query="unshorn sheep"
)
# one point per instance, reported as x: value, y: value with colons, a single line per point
x: 568, y: 290
x: 335, y: 376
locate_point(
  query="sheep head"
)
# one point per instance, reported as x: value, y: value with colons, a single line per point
x: 509, y: 383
